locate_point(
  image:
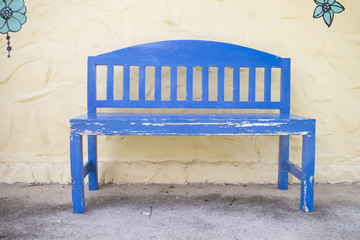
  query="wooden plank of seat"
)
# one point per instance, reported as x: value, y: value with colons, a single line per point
x: 191, y: 124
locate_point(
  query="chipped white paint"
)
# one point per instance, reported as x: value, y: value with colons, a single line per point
x: 265, y: 120
x: 312, y: 181
x: 146, y: 133
x: 156, y: 124
x: 247, y: 124
x: 91, y: 132
x: 304, y: 197
x: 95, y: 123
x: 242, y: 124
x: 291, y: 133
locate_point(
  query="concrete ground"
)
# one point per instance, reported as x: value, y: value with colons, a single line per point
x: 195, y: 211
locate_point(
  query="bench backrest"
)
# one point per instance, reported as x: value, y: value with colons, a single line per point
x: 189, y: 54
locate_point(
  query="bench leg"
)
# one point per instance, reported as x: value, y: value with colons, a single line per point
x: 283, y: 157
x: 92, y: 153
x: 77, y: 173
x: 307, y: 181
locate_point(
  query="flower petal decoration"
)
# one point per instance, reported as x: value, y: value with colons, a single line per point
x: 4, y: 29
x: 20, y: 17
x: 318, y: 12
x: 12, y: 16
x: 2, y: 22
x: 326, y: 9
x: 337, y: 7
x: 16, y: 5
x: 14, y: 24
x: 328, y: 17
x: 13, y: 13
x: 22, y: 10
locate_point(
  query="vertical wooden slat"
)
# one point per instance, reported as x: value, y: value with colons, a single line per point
x: 205, y: 83
x: 252, y: 76
x: 267, y: 85
x: 285, y: 86
x: 91, y: 101
x: 141, y: 83
x: 158, y: 83
x: 126, y: 83
x: 110, y: 82
x: 189, y: 83
x: 173, y: 83
x: 221, y: 83
x: 236, y: 84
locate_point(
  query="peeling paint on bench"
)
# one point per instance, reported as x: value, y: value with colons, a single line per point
x: 190, y: 54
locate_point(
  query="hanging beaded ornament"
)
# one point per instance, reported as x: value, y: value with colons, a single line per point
x: 12, y: 16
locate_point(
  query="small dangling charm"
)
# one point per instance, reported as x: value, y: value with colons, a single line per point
x: 8, y: 43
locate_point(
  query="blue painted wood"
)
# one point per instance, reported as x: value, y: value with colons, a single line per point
x: 190, y: 53
x: 158, y: 71
x: 285, y: 86
x: 87, y: 168
x: 110, y: 83
x: 77, y: 173
x: 191, y: 124
x: 252, y: 82
x: 173, y: 83
x: 92, y: 158
x: 236, y: 84
x: 293, y: 169
x: 187, y: 104
x: 308, y: 170
x: 91, y: 85
x: 205, y: 84
x: 189, y: 83
x: 267, y: 85
x: 283, y: 158
x: 221, y: 83
x: 181, y: 53
x: 203, y: 117
x: 142, y: 83
x: 126, y: 83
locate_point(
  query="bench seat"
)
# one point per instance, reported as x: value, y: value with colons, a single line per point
x: 160, y: 124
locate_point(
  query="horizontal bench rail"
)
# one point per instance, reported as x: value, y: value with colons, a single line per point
x: 293, y: 169
x: 186, y: 104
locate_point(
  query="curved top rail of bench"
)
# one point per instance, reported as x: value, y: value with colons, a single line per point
x: 189, y: 53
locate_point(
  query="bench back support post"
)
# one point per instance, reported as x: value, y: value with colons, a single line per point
x: 91, y: 85
x: 285, y: 86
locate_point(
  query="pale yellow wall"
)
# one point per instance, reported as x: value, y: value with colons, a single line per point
x: 43, y: 84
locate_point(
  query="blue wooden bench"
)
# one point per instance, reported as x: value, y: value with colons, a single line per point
x: 190, y: 54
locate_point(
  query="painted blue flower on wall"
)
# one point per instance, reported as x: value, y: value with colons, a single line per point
x: 326, y: 9
x: 12, y: 16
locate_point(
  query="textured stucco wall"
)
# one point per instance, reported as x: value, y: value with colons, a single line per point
x: 43, y: 84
